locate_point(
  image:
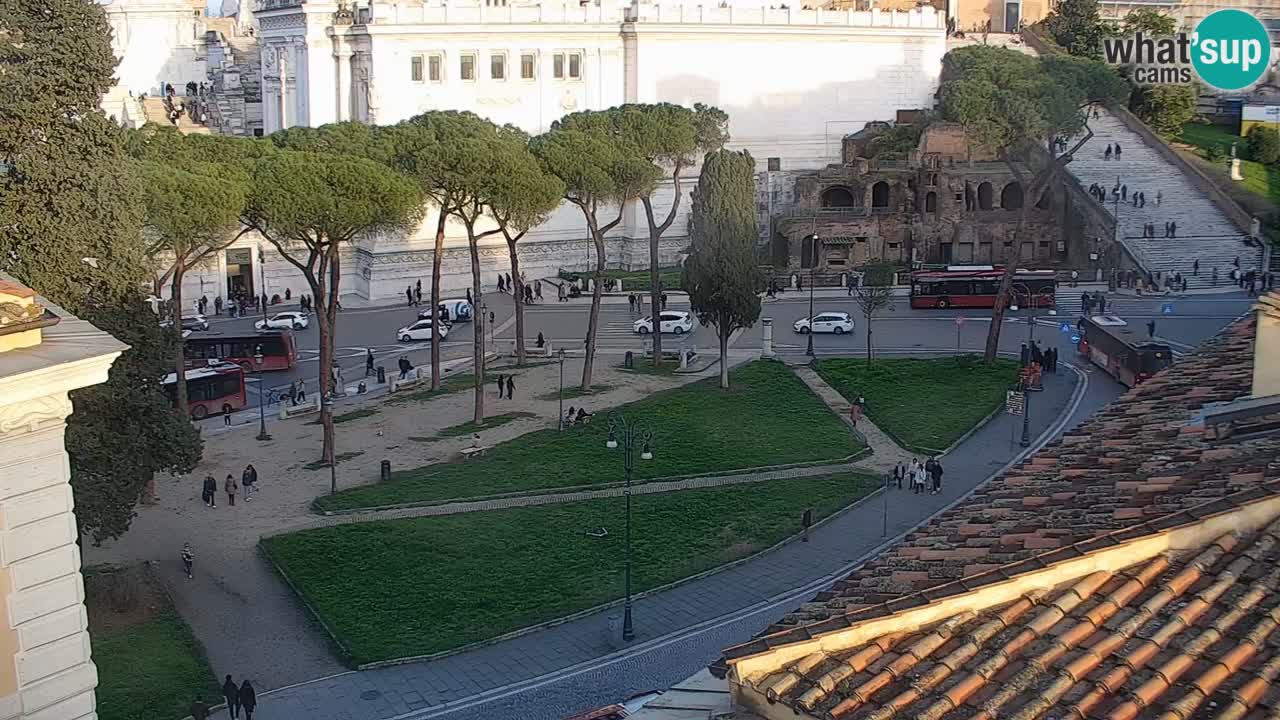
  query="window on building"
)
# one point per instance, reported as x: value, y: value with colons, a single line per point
x: 415, y: 68
x: 498, y: 67
x: 575, y: 66
x: 880, y: 195
x: 1011, y: 197
x: 775, y: 164
x: 837, y: 197
x: 984, y: 196
x: 557, y: 66
x: 931, y: 202
x: 528, y: 62
x: 467, y: 67
x: 435, y: 68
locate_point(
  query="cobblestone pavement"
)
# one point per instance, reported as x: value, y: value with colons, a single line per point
x: 557, y: 670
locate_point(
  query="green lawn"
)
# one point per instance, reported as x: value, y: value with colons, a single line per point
x: 1258, y: 178
x: 925, y: 403
x: 639, y: 280
x: 769, y: 417
x: 400, y: 588
x: 571, y: 393
x: 490, y: 422
x: 150, y: 666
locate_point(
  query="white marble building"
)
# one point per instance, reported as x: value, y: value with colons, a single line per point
x: 793, y: 81
x: 157, y: 41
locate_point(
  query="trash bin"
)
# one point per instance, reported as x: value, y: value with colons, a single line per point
x: 382, y: 375
x: 613, y: 631
x: 628, y: 360
x: 386, y: 470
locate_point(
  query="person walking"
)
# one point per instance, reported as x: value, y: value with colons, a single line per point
x: 1106, y: 155
x: 511, y: 388
x: 1159, y: 197
x: 631, y: 303
x: 230, y: 487
x: 1195, y: 268
x: 501, y: 286
x: 1151, y: 328
x: 231, y: 693
x: 936, y: 476
x: 302, y: 392
x: 209, y: 492
x: 408, y: 296
x: 188, y: 559
x: 248, y: 699
x: 469, y: 300
x: 368, y: 362
x: 855, y: 411
x: 537, y: 289
x: 501, y: 387
x: 199, y: 709
x: 1117, y: 151
x: 226, y: 419
x: 249, y: 480
x: 899, y: 473
x: 509, y: 285
x: 917, y: 476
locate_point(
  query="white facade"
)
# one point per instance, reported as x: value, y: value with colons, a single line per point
x: 157, y: 41
x: 792, y: 81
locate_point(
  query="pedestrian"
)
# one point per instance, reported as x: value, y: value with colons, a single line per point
x: 1151, y: 328
x: 302, y: 391
x: 1102, y: 302
x: 501, y: 387
x: 541, y: 340
x: 226, y: 419
x: 511, y: 388
x: 248, y: 699
x: 1159, y: 197
x: 1173, y: 229
x: 537, y: 289
x: 1075, y: 278
x: 509, y: 281
x: 899, y: 473
x: 1124, y: 193
x: 1195, y: 268
x: 1166, y: 228
x: 403, y: 364
x: 855, y: 412
x: 230, y: 487
x: 1107, y: 155
x: 188, y: 559
x: 1117, y: 151
x: 368, y: 362
x: 528, y: 293
x: 417, y: 294
x: 936, y: 476
x: 848, y: 286
x: 663, y: 299
x: 501, y: 286
x: 560, y: 293
x: 210, y: 492
x: 199, y: 710
x: 249, y: 480
x: 408, y: 296
x: 1184, y: 284
x: 469, y: 301
x: 918, y: 476
x: 491, y: 319
x: 231, y: 694
x: 1086, y: 303
x: 631, y: 303
x: 217, y: 305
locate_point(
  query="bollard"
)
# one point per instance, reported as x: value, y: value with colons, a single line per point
x: 628, y: 360
x: 807, y: 520
x: 382, y: 375
x: 386, y: 470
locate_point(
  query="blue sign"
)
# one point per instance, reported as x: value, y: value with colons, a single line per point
x: 1166, y: 309
x: 1064, y: 328
x: 1075, y: 338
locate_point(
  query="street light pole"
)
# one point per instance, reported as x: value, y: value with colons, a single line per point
x: 809, y: 335
x: 1026, y: 388
x: 885, y: 531
x: 262, y: 274
x: 560, y: 354
x: 631, y: 433
x: 333, y: 469
x: 1115, y: 214
x: 262, y: 394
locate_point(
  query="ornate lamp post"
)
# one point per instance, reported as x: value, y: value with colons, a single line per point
x: 629, y: 433
x: 262, y: 273
x: 560, y: 354
x: 262, y: 395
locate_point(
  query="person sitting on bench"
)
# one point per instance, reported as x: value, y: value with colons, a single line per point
x: 583, y: 417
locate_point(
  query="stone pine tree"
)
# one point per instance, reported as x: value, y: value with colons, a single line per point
x: 70, y: 227
x: 671, y: 137
x: 600, y: 170
x: 720, y: 273
x: 1016, y: 106
x: 1077, y: 27
x: 191, y: 215
x: 310, y: 206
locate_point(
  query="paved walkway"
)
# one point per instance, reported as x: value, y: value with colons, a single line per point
x: 886, y: 453
x: 471, y: 682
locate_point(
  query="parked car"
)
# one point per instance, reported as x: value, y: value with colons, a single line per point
x: 189, y: 323
x: 827, y: 322
x: 420, y: 330
x: 678, y: 323
x: 291, y: 320
x: 451, y: 311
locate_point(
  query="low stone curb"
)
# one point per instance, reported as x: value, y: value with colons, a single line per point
x: 634, y: 596
x: 328, y: 631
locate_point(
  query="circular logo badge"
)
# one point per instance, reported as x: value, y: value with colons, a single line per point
x: 1230, y: 49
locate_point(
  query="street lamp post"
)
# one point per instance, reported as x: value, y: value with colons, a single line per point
x: 809, y: 335
x: 884, y: 532
x: 630, y: 433
x: 560, y: 355
x: 1115, y: 214
x: 484, y: 319
x: 1026, y: 387
x: 262, y: 395
x: 262, y: 273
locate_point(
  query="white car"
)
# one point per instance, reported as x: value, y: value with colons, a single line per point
x: 451, y: 311
x: 678, y: 323
x: 828, y: 322
x: 291, y: 320
x: 420, y: 330
x: 189, y: 323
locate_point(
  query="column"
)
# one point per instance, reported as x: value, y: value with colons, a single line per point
x: 342, y: 62
x: 766, y: 343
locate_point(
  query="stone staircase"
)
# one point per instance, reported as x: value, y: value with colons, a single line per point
x: 154, y: 111
x: 1203, y: 231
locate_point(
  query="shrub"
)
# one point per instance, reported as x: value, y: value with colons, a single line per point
x: 1264, y: 144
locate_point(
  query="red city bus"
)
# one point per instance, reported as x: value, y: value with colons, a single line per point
x: 1108, y: 342
x: 216, y: 388
x: 277, y: 346
x: 975, y: 286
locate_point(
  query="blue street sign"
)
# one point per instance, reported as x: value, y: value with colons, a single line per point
x: 1166, y: 309
x: 1064, y: 328
x: 1075, y: 338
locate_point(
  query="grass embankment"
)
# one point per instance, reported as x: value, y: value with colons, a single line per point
x: 639, y: 280
x: 1262, y: 180
x: 150, y: 666
x: 400, y: 588
x: 926, y: 404
x: 769, y: 417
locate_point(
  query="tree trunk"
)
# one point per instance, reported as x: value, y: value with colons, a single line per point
x: 325, y: 292
x: 723, y: 333
x: 868, y: 318
x: 477, y: 328
x: 593, y: 324
x: 655, y: 235
x: 1030, y: 198
x: 179, y: 362
x: 519, y: 297
x: 436, y: 259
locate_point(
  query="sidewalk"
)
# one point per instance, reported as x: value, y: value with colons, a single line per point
x: 399, y: 691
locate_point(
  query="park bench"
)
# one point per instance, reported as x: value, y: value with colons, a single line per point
x: 475, y: 451
x: 413, y: 379
x: 289, y: 411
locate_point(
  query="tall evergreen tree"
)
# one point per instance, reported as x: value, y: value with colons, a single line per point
x: 1077, y: 26
x: 720, y: 273
x: 70, y: 220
